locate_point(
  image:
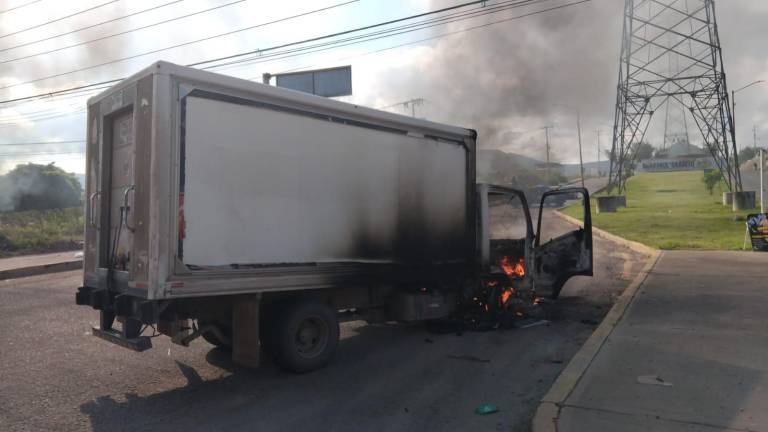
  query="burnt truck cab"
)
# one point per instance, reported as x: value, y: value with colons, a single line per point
x: 520, y: 263
x: 256, y: 216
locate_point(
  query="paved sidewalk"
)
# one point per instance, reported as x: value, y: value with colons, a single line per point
x: 690, y: 353
x: 29, y: 265
x: 35, y: 260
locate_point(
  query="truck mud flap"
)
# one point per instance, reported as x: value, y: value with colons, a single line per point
x: 141, y: 343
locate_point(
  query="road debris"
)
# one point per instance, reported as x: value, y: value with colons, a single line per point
x: 468, y: 358
x: 486, y: 409
x: 529, y: 323
x: 653, y: 380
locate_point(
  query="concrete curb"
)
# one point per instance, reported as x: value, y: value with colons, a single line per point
x: 548, y: 412
x: 635, y: 246
x: 41, y: 269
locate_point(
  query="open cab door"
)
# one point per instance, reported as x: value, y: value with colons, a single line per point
x: 566, y: 254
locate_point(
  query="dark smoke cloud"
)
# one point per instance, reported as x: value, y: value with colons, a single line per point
x: 521, y: 75
x: 524, y: 74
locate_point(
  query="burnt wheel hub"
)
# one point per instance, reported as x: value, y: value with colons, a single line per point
x: 311, y: 337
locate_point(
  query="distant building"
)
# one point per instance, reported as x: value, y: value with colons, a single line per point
x: 682, y: 163
x: 683, y: 149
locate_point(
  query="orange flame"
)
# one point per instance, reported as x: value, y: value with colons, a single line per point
x: 506, y: 295
x: 516, y: 269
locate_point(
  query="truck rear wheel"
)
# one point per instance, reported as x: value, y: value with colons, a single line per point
x: 303, y: 335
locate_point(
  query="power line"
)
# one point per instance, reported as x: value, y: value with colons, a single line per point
x: 177, y: 45
x: 26, y: 155
x: 87, y: 86
x: 90, y: 26
x: 440, y: 36
x: 371, y: 36
x: 46, y: 111
x: 232, y: 56
x: 59, y: 19
x: 450, y: 33
x: 431, y: 22
x: 59, y: 95
x: 20, y: 6
x: 44, y: 143
x: 120, y: 33
x: 44, y: 159
x: 7, y: 124
x: 341, y: 33
x: 58, y: 92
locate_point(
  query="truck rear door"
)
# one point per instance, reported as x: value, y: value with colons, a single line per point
x: 561, y: 253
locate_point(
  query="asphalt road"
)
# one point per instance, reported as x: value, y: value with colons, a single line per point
x: 593, y: 184
x: 55, y: 376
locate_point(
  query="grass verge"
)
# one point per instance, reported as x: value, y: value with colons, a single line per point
x: 40, y: 231
x: 672, y: 211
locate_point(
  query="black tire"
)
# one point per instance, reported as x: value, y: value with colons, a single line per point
x: 302, y: 335
x: 211, y: 337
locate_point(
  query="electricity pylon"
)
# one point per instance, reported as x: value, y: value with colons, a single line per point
x: 657, y: 32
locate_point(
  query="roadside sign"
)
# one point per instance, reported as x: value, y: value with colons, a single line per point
x: 757, y: 226
x: 331, y: 82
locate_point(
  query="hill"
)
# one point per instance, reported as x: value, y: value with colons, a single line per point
x: 509, y: 169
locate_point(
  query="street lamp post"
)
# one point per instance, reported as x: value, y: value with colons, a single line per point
x: 598, y: 153
x: 581, y: 157
x: 578, y: 128
x: 762, y: 181
x: 733, y: 101
x: 546, y: 133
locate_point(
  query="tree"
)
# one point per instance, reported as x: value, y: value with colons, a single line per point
x: 39, y: 187
x: 711, y: 179
x: 747, y: 153
x: 644, y: 151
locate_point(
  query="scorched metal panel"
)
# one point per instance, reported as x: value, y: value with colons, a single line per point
x: 263, y: 186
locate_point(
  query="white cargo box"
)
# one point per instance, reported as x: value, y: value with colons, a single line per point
x: 203, y: 184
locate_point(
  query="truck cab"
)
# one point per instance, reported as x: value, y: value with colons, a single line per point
x: 522, y: 262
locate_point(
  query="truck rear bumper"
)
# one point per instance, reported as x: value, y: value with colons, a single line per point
x: 132, y: 312
x: 124, y: 305
x: 139, y: 343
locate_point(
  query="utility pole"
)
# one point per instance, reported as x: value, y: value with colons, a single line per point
x: 409, y: 103
x: 762, y: 181
x: 546, y: 133
x: 598, y: 152
x: 581, y: 159
x: 754, y: 136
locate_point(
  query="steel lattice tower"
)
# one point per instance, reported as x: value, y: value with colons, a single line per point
x: 656, y: 33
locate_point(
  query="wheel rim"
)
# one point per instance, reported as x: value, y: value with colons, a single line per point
x: 311, y: 336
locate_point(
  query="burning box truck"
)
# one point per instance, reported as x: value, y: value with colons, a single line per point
x: 259, y: 217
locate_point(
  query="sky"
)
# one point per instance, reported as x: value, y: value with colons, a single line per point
x: 507, y: 79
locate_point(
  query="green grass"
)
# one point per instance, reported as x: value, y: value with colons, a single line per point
x: 672, y: 211
x: 40, y: 231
